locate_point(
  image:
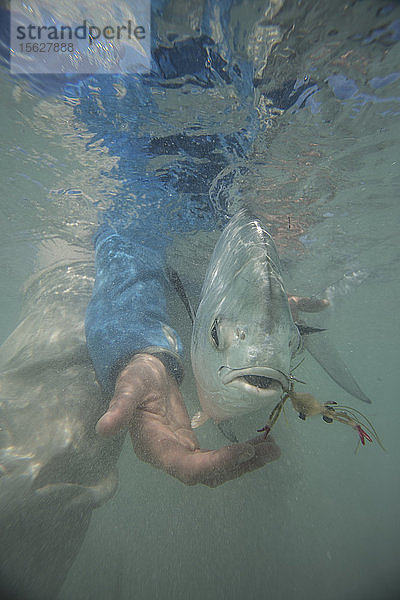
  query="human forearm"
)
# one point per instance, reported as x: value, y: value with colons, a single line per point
x: 127, y: 312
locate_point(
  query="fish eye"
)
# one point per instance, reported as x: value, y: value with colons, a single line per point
x: 214, y: 332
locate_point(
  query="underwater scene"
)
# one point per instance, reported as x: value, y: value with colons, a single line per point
x: 233, y: 214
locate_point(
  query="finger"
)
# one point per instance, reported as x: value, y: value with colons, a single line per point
x: 127, y: 396
x: 117, y: 418
x: 214, y: 467
x: 265, y: 451
x: 144, y: 378
x: 305, y: 304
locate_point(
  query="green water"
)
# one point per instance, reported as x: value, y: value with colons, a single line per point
x: 322, y: 521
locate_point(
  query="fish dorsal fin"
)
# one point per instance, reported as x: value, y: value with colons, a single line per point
x: 307, y: 329
x: 177, y: 284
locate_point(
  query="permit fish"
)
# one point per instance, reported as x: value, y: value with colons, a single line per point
x: 244, y: 338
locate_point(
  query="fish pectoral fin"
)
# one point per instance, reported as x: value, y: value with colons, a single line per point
x: 199, y: 419
x: 325, y: 353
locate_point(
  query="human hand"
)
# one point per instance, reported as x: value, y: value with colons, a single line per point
x: 147, y: 401
x: 304, y: 304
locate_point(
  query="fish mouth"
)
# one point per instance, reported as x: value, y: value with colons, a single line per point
x: 261, y: 378
x: 260, y: 381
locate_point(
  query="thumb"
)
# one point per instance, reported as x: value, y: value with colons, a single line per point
x: 119, y: 414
